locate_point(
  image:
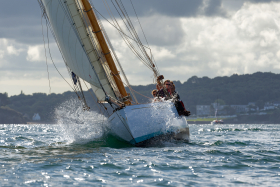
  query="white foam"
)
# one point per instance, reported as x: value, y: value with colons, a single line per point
x: 77, y: 125
x: 172, y: 122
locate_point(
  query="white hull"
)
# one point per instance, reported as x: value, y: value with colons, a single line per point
x: 138, y: 123
x: 215, y: 123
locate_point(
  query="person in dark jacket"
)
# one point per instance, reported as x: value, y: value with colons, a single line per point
x: 166, y: 93
x: 178, y: 103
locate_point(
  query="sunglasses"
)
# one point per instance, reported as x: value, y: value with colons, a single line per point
x: 168, y: 84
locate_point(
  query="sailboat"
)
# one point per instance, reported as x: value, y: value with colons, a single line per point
x: 90, y: 57
x: 216, y: 121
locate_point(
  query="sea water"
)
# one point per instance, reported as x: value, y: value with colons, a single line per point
x: 77, y: 151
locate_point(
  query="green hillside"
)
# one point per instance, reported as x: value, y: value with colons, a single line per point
x: 234, y: 90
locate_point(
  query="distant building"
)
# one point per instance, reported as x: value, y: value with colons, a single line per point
x: 203, y: 110
x: 218, y: 107
x: 36, y: 117
x: 252, y: 104
x: 269, y: 107
x: 240, y: 108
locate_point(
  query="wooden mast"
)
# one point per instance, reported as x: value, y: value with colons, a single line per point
x: 105, y: 49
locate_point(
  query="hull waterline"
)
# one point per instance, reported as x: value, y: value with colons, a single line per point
x: 138, y: 124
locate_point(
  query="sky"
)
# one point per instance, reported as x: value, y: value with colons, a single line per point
x: 187, y: 37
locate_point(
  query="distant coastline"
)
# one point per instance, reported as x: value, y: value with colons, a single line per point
x: 258, y: 88
x: 10, y: 116
x: 241, y: 119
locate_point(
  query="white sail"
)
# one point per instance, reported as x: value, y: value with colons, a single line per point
x: 81, y: 53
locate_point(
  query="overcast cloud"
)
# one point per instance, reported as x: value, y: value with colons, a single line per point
x: 195, y: 37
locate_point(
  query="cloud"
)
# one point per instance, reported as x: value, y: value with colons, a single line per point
x: 29, y: 86
x: 21, y: 65
x: 178, y: 8
x: 244, y: 43
x: 35, y: 53
x: 263, y: 1
x: 21, y: 21
x: 194, y: 37
x: 161, y: 30
x: 213, y: 8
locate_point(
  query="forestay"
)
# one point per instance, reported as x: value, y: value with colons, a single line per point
x: 78, y: 47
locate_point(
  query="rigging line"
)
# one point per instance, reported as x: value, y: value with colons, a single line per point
x: 135, y: 35
x: 128, y: 42
x: 114, y: 54
x: 94, y: 44
x: 140, y: 45
x: 139, y: 56
x: 45, y: 52
x: 93, y: 97
x: 52, y: 59
x: 115, y: 26
x: 149, y: 59
x: 131, y: 45
x: 79, y: 39
x: 139, y: 23
x: 137, y: 92
x: 128, y: 24
x: 117, y: 60
x: 120, y: 30
x: 47, y: 26
x: 133, y: 29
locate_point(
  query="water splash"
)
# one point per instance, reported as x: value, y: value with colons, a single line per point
x: 173, y: 123
x: 79, y: 126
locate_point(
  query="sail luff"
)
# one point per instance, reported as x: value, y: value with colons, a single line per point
x: 79, y: 52
x: 105, y: 49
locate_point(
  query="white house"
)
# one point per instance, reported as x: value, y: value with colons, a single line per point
x: 36, y: 117
x: 240, y: 108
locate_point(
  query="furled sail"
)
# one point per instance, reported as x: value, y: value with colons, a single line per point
x: 78, y: 46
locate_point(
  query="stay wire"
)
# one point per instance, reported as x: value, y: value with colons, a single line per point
x: 45, y: 52
x: 133, y: 32
x: 139, y: 23
x: 114, y: 25
x: 48, y: 26
x: 114, y: 54
x: 94, y: 99
x: 127, y: 41
x: 127, y: 24
x: 137, y: 92
x: 155, y: 68
x: 53, y: 61
x: 129, y: 44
